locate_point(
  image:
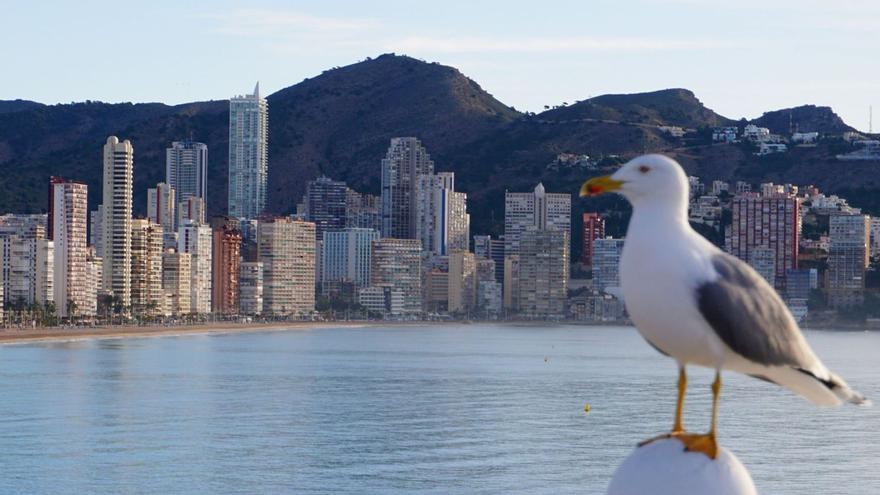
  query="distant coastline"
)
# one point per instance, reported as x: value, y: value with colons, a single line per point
x: 62, y: 334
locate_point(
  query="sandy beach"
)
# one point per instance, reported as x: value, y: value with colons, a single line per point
x: 54, y: 334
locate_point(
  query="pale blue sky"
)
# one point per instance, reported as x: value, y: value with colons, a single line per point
x: 741, y: 57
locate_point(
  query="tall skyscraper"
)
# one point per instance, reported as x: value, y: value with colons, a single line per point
x: 195, y: 239
x: 248, y: 154
x: 286, y: 247
x: 443, y: 224
x: 848, y: 258
x: 405, y: 160
x: 769, y: 222
x: 346, y: 258
x: 325, y: 205
x: 593, y: 228
x: 147, y: 296
x: 116, y: 222
x: 543, y: 272
x: 538, y: 209
x: 396, y: 265
x: 69, y: 211
x: 227, y: 269
x: 186, y: 170
x: 161, y: 209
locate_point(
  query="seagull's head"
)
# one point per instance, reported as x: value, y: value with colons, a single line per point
x: 646, y: 179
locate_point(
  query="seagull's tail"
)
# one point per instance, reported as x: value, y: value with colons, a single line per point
x: 839, y: 387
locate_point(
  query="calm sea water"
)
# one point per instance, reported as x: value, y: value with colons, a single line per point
x: 442, y: 409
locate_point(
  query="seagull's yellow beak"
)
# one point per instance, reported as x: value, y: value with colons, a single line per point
x: 599, y: 185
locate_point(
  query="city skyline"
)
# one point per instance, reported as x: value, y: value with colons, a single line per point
x: 269, y: 39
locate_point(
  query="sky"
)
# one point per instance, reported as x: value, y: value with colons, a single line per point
x: 740, y: 57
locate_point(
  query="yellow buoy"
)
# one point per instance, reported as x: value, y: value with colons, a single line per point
x: 587, y: 407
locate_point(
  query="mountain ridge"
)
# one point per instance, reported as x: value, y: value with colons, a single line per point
x: 339, y: 123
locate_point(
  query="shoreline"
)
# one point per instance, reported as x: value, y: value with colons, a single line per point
x: 10, y: 336
x: 60, y: 334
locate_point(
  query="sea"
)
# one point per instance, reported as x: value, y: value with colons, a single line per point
x: 404, y: 409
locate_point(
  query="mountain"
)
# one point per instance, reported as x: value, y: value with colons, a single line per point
x: 339, y: 123
x: 679, y: 107
x: 805, y: 118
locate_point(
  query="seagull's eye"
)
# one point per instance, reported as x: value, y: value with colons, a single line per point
x: 644, y: 169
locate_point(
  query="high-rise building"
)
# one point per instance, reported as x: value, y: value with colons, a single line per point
x: 405, y: 160
x: 177, y: 281
x: 606, y: 264
x: 96, y: 232
x: 227, y: 270
x: 251, y: 288
x: 765, y: 221
x: 396, y: 265
x: 462, y: 282
x: 848, y: 257
x: 489, y: 293
x: 94, y: 267
x: 116, y: 222
x: 537, y: 209
x: 493, y: 249
x: 147, y: 296
x: 346, y: 258
x: 325, y: 205
x: 191, y: 209
x: 195, y: 239
x: 543, y: 272
x: 511, y: 282
x: 161, y: 208
x: 442, y: 221
x: 286, y: 247
x: 362, y: 210
x: 248, y: 154
x: 69, y: 224
x: 186, y: 170
x: 26, y: 259
x: 593, y: 228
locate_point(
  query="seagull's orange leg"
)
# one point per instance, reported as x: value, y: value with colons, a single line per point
x: 677, y: 428
x: 705, y: 443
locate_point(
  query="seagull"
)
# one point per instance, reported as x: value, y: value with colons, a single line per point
x: 701, y: 306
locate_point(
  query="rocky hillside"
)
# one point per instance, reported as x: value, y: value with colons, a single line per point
x: 339, y: 123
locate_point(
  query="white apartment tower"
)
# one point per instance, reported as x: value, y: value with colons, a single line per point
x: 147, y: 296
x: 196, y: 239
x: 116, y: 221
x: 71, y: 272
x: 443, y: 224
x: 176, y: 281
x: 538, y: 209
x: 248, y: 154
x: 186, y: 170
x: 286, y: 247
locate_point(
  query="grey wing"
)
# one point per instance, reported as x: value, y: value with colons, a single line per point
x: 748, y: 315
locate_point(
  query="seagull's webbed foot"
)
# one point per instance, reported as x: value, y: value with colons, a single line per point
x: 665, y: 436
x: 704, y: 443
x: 693, y: 442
